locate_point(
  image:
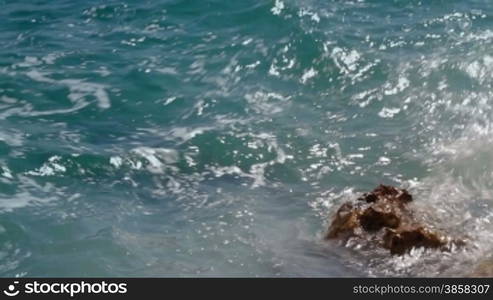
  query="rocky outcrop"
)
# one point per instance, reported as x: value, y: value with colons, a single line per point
x: 384, y: 218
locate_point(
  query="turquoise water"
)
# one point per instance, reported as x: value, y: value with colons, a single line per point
x: 216, y: 138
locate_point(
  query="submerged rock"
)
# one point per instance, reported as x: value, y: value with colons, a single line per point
x: 382, y: 217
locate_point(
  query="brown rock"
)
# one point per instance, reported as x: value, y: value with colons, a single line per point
x: 384, y: 216
x: 345, y: 222
x: 374, y: 219
x: 387, y: 192
x: 401, y: 240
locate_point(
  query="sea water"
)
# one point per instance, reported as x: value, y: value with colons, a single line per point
x: 216, y: 138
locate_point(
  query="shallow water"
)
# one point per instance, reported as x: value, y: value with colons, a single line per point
x: 215, y: 138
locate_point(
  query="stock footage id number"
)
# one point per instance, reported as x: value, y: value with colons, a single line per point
x: 466, y: 288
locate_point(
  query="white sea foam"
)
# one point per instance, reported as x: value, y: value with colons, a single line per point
x: 158, y: 159
x: 79, y: 90
x: 278, y: 7
x: 6, y: 172
x: 347, y: 61
x: 29, y: 192
x: 12, y: 137
x: 116, y: 161
x: 267, y: 102
x: 308, y: 74
x: 400, y: 86
x: 388, y: 112
x: 51, y: 168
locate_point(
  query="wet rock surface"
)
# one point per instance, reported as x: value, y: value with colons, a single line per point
x: 383, y: 218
